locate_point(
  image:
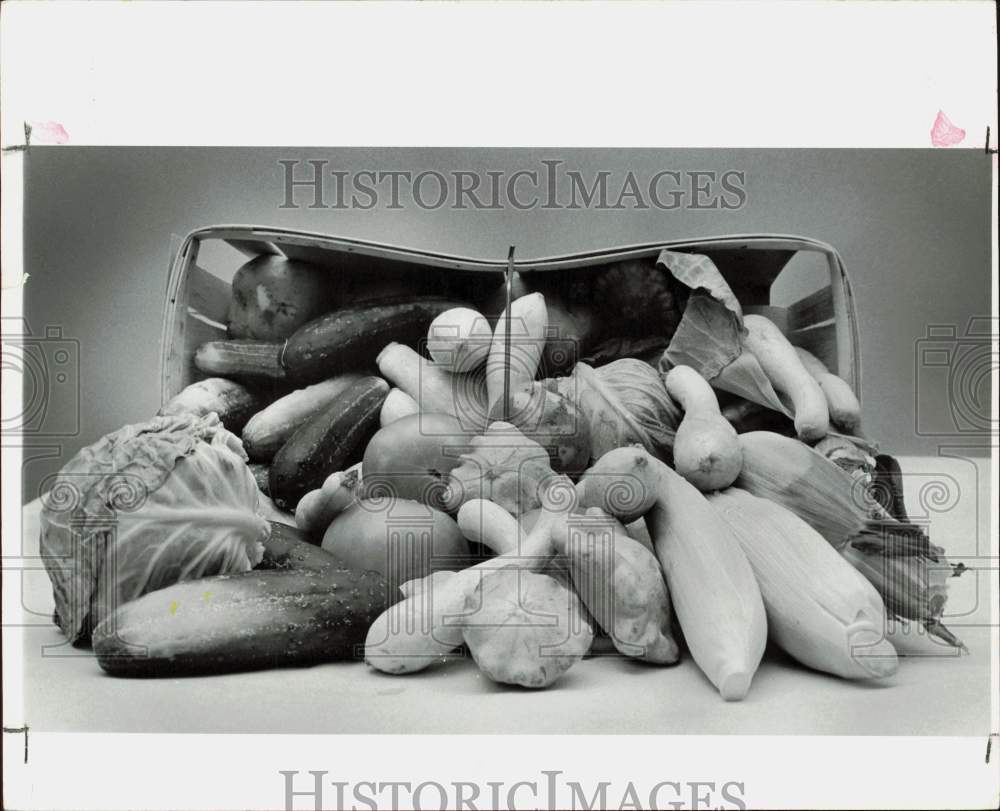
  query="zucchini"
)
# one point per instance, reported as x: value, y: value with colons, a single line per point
x: 331, y: 440
x: 245, y: 621
x: 241, y: 359
x: 233, y: 402
x: 351, y: 337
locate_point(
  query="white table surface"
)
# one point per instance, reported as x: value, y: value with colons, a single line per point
x: 937, y: 693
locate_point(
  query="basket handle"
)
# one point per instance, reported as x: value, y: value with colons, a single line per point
x: 506, y: 337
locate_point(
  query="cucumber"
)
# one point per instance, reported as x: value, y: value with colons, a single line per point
x: 331, y: 440
x: 351, y: 337
x: 289, y: 548
x: 254, y: 360
x: 270, y: 428
x: 233, y: 402
x: 245, y: 621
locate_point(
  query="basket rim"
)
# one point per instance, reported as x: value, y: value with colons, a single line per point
x: 264, y: 233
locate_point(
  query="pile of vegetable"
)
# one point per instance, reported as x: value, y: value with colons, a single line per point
x: 529, y: 486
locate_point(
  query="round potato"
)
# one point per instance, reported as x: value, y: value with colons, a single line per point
x: 399, y: 538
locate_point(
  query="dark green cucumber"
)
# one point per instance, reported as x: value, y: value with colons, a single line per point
x: 245, y: 360
x: 331, y: 440
x: 350, y: 338
x: 245, y: 621
x: 290, y: 548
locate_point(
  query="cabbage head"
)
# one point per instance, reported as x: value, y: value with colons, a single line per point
x: 143, y: 508
x: 625, y: 403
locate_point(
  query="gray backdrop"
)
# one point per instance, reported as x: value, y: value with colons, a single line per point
x: 912, y: 227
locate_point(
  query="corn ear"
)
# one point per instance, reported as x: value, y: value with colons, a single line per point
x: 911, y: 577
x: 786, y: 471
x: 714, y: 591
x: 819, y: 611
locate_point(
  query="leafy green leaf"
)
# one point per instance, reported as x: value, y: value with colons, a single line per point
x: 707, y: 339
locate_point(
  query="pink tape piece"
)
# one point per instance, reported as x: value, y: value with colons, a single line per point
x: 944, y: 133
x: 48, y: 132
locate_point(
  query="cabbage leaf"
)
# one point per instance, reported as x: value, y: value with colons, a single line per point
x: 145, y: 507
x: 709, y: 337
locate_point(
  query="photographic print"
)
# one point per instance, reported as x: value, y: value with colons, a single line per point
x: 367, y: 382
